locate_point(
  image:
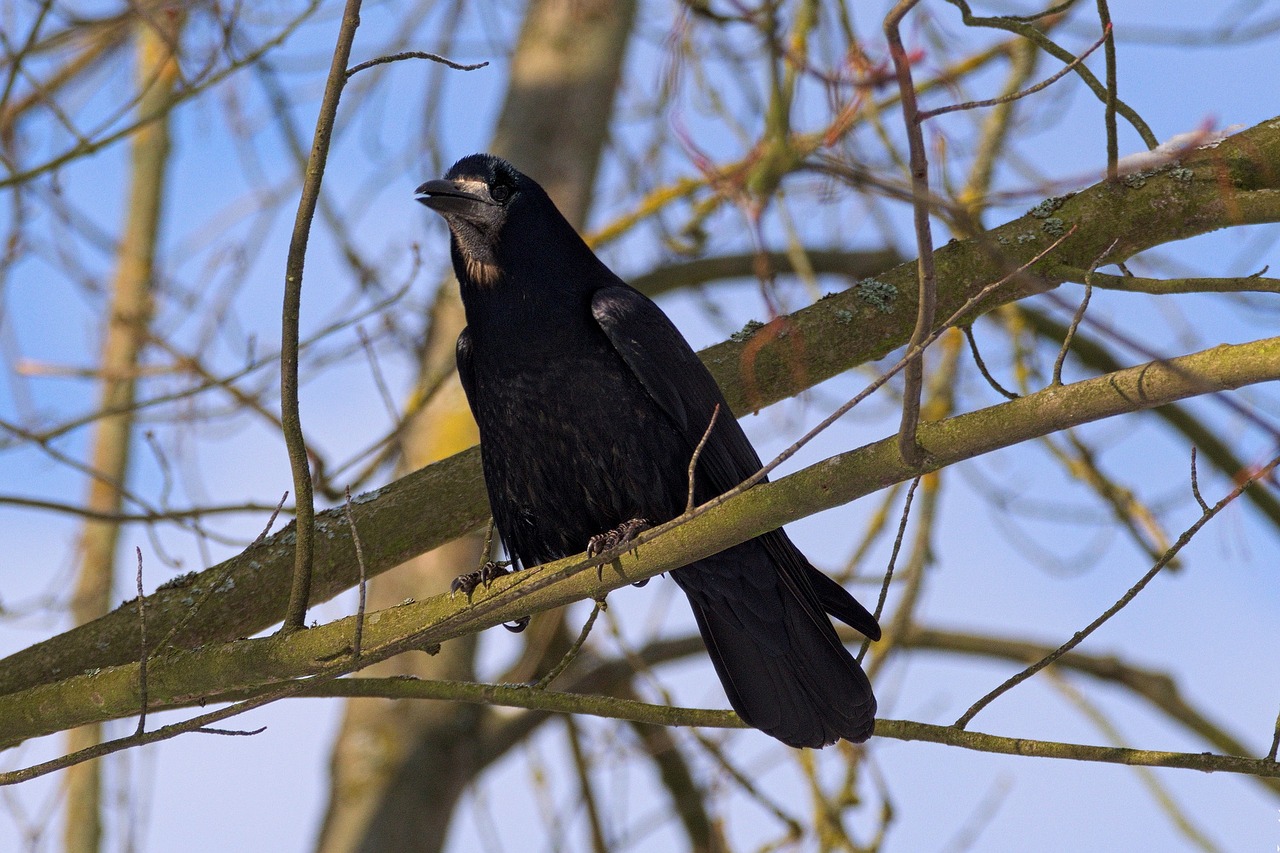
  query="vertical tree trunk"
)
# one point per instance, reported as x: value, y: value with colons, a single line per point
x: 126, y: 333
x: 400, y: 767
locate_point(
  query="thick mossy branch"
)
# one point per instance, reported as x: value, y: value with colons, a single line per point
x: 179, y: 678
x: 1236, y: 181
x: 248, y: 592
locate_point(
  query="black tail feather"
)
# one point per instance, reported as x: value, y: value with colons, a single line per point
x: 784, y: 671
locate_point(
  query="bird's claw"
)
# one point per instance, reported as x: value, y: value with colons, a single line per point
x: 484, y: 575
x: 620, y: 535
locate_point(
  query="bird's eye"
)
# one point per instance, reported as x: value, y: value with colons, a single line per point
x: 501, y: 193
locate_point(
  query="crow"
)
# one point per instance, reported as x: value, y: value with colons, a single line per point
x: 590, y: 405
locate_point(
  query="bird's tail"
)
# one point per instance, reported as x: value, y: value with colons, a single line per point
x: 777, y: 655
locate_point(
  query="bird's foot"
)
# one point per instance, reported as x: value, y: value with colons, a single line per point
x: 620, y: 535
x: 484, y: 575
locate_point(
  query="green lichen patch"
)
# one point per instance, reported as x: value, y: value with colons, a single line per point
x: 746, y: 331
x: 878, y: 294
x: 1046, y: 208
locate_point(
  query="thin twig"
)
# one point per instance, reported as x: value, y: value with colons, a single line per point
x: 1275, y: 742
x: 982, y: 366
x: 411, y: 54
x: 1113, y: 142
x: 1079, y: 315
x: 125, y: 517
x: 206, y: 730
x: 266, y: 531
x: 142, y: 645
x: 216, y: 583
x: 85, y: 147
x: 358, y: 639
x: 697, y: 451
x: 893, y: 559
x: 1031, y: 90
x: 1244, y: 412
x: 598, y: 842
x: 1071, y: 333
x: 379, y: 381
x: 544, y: 682
x: 1037, y: 37
x: 1123, y: 601
x: 1195, y: 482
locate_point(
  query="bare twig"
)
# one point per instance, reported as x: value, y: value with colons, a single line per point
x: 1113, y: 142
x: 598, y: 842
x: 1195, y: 483
x: 358, y: 638
x: 1031, y: 90
x: 123, y: 517
x: 545, y: 682
x: 1078, y: 317
x: 207, y: 730
x: 85, y: 147
x: 411, y: 54
x: 982, y: 366
x: 266, y: 531
x: 1123, y: 601
x: 1024, y: 29
x: 697, y: 451
x: 379, y: 381
x: 893, y: 559
x: 142, y: 645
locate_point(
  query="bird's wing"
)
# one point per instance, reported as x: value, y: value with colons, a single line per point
x: 465, y: 373
x: 676, y: 378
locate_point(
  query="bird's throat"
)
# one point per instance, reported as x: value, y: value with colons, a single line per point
x: 480, y: 273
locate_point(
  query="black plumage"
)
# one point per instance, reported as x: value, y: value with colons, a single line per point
x: 590, y: 404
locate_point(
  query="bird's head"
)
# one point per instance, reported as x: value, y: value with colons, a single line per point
x: 478, y: 197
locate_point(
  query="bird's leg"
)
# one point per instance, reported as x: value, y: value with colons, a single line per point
x: 486, y: 574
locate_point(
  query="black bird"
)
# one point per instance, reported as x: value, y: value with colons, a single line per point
x: 590, y: 404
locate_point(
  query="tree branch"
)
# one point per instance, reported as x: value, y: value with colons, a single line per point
x: 112, y: 693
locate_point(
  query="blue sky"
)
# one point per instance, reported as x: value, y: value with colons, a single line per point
x: 1212, y: 625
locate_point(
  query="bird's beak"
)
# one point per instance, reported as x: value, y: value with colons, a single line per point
x: 458, y: 197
